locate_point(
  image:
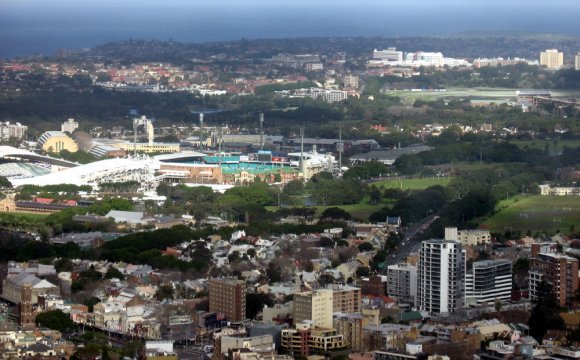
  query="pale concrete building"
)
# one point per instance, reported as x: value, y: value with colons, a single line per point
x: 56, y: 141
x: 402, y: 282
x: 468, y: 237
x: 552, y: 59
x: 69, y: 126
x: 577, y: 62
x: 316, y: 306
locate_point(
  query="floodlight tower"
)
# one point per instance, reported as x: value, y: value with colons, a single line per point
x: 261, y: 131
x: 200, y: 130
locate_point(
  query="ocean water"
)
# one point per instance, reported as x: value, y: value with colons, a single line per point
x: 42, y: 26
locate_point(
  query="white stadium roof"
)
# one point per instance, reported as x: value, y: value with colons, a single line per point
x: 110, y: 170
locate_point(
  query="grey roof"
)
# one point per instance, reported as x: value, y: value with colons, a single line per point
x: 131, y: 217
x: 392, y: 154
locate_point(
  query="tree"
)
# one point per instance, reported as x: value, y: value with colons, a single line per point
x: 113, y: 272
x: 234, y: 256
x: 363, y: 271
x: 164, y: 292
x: 366, y: 246
x: 55, y: 320
x: 255, y: 303
x: 274, y: 272
x: 335, y: 213
x: 545, y: 314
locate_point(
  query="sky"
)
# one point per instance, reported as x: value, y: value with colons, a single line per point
x: 41, y: 26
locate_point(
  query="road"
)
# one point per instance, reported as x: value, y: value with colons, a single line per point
x: 408, y: 244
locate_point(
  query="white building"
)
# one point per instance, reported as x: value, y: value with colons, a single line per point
x: 389, y: 54
x: 8, y: 130
x: 328, y: 95
x: 440, y: 276
x: 577, y: 62
x: 488, y: 281
x: 402, y: 282
x: 69, y: 126
x: 547, y: 190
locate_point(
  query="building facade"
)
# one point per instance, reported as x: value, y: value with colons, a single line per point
x: 557, y: 270
x: 69, y: 126
x: 56, y: 141
x: 16, y: 130
x: 306, y: 339
x: 316, y: 306
x: 346, y: 299
x: 552, y: 59
x: 440, y: 276
x: 228, y: 296
x: 488, y: 281
x: 402, y: 282
x: 577, y: 62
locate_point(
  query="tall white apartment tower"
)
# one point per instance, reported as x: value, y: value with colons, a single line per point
x: 440, y: 276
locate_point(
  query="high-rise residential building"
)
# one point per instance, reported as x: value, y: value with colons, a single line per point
x: 69, y: 126
x: 374, y: 285
x: 402, y: 282
x: 558, y: 270
x: 440, y: 276
x: 316, y: 306
x: 345, y: 298
x: 16, y: 130
x: 228, y: 296
x: 488, y: 281
x: 577, y: 62
x: 552, y: 59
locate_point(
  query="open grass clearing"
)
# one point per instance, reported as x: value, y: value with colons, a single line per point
x: 412, y: 184
x: 536, y: 213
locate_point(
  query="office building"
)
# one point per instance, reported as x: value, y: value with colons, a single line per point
x: 557, y: 270
x: 228, y: 296
x: 69, y: 126
x: 389, y: 54
x: 56, y: 141
x: 402, y: 282
x: 316, y: 306
x: 552, y: 59
x: 488, y: 281
x: 577, y: 62
x: 440, y: 276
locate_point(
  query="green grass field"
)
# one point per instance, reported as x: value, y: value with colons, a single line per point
x: 536, y: 213
x: 555, y: 146
x: 412, y: 184
x: 361, y: 210
x: 30, y: 218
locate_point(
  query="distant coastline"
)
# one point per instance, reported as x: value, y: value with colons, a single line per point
x: 26, y: 30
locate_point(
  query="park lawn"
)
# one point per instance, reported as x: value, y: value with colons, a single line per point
x: 412, y: 184
x: 362, y: 210
x: 555, y: 146
x: 536, y: 213
x: 29, y: 218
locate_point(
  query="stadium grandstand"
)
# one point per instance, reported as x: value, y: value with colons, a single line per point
x: 140, y: 168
